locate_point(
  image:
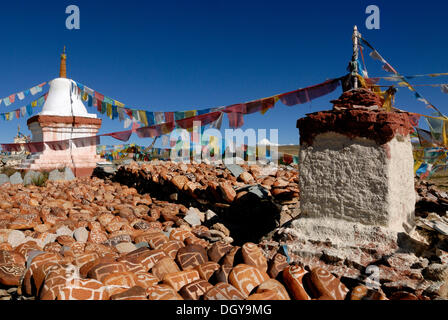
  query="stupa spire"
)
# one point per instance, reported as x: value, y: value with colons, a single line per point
x: 63, y: 67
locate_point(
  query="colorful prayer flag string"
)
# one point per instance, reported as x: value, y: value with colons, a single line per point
x: 22, y: 95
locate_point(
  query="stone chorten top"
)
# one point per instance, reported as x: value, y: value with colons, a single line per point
x: 357, y: 113
x: 63, y: 98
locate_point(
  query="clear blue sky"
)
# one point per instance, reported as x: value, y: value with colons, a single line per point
x: 180, y: 55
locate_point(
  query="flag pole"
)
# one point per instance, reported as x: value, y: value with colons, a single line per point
x: 355, y: 37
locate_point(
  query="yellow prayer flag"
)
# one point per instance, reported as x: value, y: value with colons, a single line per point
x: 444, y: 133
x: 119, y: 104
x: 34, y: 103
x: 143, y: 117
x: 417, y: 165
x: 109, y: 110
x: 190, y: 113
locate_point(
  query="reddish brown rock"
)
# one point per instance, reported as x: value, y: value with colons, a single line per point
x: 146, y: 280
x: 65, y: 240
x: 227, y: 192
x: 85, y: 258
x: 179, y: 181
x: 78, y: 248
x: 117, y: 237
x: 207, y: 269
x: 133, y: 267
x: 179, y: 234
x: 25, y: 248
x: 162, y: 292
x: 101, y: 249
x: 97, y: 236
x: 265, y: 295
x: 223, y: 291
x: 165, y: 266
x: 363, y: 293
x: 53, y: 247
x: 7, y: 257
x: 222, y: 274
x: 190, y: 256
x: 147, y: 258
x: 37, y: 263
x: 40, y: 274
x: 54, y: 281
x: 276, y: 287
x: 195, y: 290
x: 5, y: 246
x: 11, y: 274
x: 102, y: 270
x: 277, y: 265
x: 360, y: 122
x: 253, y: 256
x: 84, y: 270
x: 196, y: 241
x: 155, y: 239
x: 171, y: 247
x: 179, y: 279
x: 134, y: 293
x: 83, y: 289
x: 123, y: 279
x: 325, y: 286
x: 218, y: 250
x: 293, y: 278
x: 229, y: 258
x: 245, y: 278
x: 246, y: 177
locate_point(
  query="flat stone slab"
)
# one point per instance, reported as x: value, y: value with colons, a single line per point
x: 3, y: 179
x: 16, y: 178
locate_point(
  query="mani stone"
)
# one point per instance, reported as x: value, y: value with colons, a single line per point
x: 195, y: 290
x: 16, y: 238
x: 253, y: 255
x: 134, y: 293
x: 81, y: 234
x: 55, y: 175
x: 207, y: 269
x: 276, y: 286
x: 125, y: 247
x: 293, y: 278
x: 325, y: 286
x: 68, y: 174
x: 171, y: 247
x: 30, y: 176
x: 223, y: 291
x: 218, y: 250
x: 162, y: 292
x: 190, y: 256
x: 356, y: 173
x: 179, y: 279
x: 277, y: 265
x: 192, y: 218
x: 16, y: 178
x: 3, y: 179
x: 83, y: 289
x: 245, y: 278
x: 164, y: 266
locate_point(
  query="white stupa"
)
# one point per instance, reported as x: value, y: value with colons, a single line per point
x: 62, y: 121
x: 64, y: 100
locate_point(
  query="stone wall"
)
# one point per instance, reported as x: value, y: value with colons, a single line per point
x: 357, y: 180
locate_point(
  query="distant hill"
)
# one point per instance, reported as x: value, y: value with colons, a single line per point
x: 289, y: 149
